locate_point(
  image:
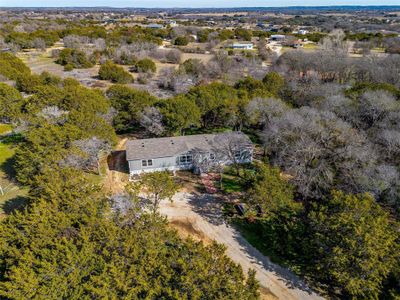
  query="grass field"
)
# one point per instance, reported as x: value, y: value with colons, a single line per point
x: 4, y: 128
x: 13, y: 195
x: 310, y: 46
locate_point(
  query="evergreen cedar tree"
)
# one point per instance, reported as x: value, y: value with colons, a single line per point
x: 114, y: 73
x: 181, y: 41
x: 146, y: 65
x: 348, y: 242
x: 69, y: 244
x: 73, y: 59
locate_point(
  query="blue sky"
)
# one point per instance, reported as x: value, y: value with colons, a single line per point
x: 197, y: 3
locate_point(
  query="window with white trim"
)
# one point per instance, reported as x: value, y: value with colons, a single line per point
x: 185, y: 159
x: 147, y: 163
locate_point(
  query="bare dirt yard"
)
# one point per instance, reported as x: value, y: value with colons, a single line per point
x: 203, y: 57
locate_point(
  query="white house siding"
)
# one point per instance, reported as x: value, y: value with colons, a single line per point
x: 159, y: 164
x: 172, y: 164
x: 243, y: 46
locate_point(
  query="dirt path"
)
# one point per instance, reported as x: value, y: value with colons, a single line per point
x: 200, y: 215
x: 116, y: 176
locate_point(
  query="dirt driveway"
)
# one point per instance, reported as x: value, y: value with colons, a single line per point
x: 200, y: 216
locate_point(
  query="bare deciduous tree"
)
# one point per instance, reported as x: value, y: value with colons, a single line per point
x: 318, y: 149
x: 232, y: 148
x: 53, y: 114
x: 261, y: 110
x: 151, y: 120
x: 39, y: 44
x: 88, y: 154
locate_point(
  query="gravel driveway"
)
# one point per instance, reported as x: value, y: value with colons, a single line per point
x: 203, y: 213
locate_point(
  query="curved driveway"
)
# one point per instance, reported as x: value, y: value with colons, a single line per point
x: 203, y: 213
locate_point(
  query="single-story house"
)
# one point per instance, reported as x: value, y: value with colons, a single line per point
x: 277, y: 37
x: 191, y: 152
x: 296, y: 44
x: 245, y: 46
x: 303, y: 31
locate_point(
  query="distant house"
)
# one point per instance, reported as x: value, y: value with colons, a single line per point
x: 172, y: 23
x: 155, y: 26
x: 296, y: 44
x: 190, y: 152
x: 277, y: 37
x: 244, y: 46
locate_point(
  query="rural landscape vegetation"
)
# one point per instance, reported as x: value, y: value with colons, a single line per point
x: 314, y: 215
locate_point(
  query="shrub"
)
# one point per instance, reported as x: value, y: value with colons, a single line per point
x: 115, y: 73
x: 181, y: 41
x: 12, y: 67
x: 68, y: 67
x: 74, y: 58
x: 145, y: 65
x: 27, y: 83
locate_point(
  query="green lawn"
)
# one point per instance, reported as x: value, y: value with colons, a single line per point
x: 4, y: 128
x: 13, y: 194
x: 231, y: 183
x: 311, y: 46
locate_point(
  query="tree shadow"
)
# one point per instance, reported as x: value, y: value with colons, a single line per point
x: 208, y: 206
x: 16, y: 203
x: 12, y: 139
x: 117, y: 161
x: 8, y: 168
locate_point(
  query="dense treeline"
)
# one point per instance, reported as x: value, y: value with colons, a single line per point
x: 328, y: 123
x: 71, y: 241
x: 346, y: 244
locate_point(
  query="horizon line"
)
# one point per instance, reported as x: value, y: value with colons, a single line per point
x: 215, y: 7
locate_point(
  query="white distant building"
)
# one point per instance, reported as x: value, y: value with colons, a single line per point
x: 173, y: 23
x: 303, y: 31
x: 244, y: 46
x: 155, y: 26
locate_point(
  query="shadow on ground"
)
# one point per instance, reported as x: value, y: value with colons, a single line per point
x: 208, y: 206
x: 117, y: 161
x: 13, y: 204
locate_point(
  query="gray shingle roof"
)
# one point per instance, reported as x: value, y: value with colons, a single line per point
x: 168, y: 146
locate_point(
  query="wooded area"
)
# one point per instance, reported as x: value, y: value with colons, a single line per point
x: 322, y: 197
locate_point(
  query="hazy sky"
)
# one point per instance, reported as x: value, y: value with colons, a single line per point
x: 196, y: 3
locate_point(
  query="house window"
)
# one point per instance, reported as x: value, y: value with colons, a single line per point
x: 185, y: 159
x: 146, y: 163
